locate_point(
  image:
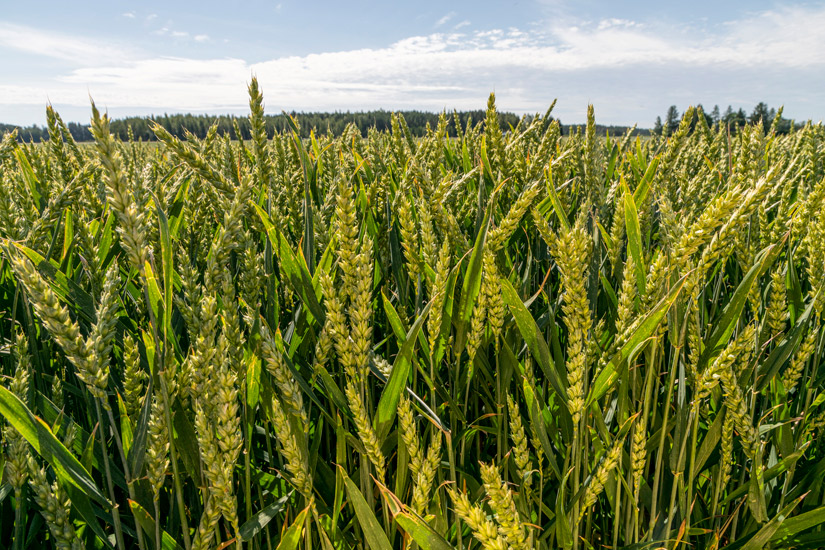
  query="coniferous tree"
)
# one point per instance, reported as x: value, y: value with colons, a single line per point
x: 657, y: 127
x: 671, y: 120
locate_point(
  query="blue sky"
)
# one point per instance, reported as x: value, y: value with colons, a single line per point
x: 631, y: 59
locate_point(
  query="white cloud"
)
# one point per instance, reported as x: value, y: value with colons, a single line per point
x: 621, y: 65
x: 613, y: 22
x: 461, y: 25
x: 56, y: 45
x: 129, y: 15
x: 445, y: 19
x: 180, y: 35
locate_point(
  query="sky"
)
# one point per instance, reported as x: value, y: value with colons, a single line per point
x: 631, y: 59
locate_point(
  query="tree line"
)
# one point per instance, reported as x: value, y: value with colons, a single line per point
x: 730, y: 118
x: 335, y: 123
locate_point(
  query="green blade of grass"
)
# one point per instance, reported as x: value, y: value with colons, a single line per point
x: 471, y: 286
x: 147, y: 523
x: 388, y: 404
x: 256, y: 523
x: 722, y: 330
x: 295, y: 271
x: 293, y: 535
x: 608, y: 376
x: 423, y: 535
x: 45, y: 444
x: 535, y: 341
x: 374, y: 535
x: 634, y: 238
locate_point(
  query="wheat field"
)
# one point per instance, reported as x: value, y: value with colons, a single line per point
x: 507, y: 339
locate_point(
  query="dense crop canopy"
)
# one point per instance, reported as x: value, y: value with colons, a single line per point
x: 508, y: 339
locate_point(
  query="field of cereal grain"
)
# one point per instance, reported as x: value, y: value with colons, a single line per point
x: 500, y: 340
